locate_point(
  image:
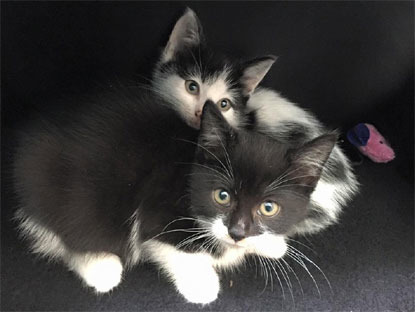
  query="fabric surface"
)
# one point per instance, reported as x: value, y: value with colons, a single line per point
x: 368, y: 259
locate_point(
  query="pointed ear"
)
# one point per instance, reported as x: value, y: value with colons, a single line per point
x: 214, y: 129
x: 186, y: 33
x: 308, y: 161
x: 254, y: 71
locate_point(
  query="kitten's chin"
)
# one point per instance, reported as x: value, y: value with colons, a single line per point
x: 227, y: 241
x: 194, y: 123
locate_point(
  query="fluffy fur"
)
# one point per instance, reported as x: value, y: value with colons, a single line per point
x: 278, y: 117
x: 105, y: 186
x: 186, y: 56
x: 126, y: 178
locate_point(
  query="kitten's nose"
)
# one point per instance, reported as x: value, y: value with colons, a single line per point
x: 237, y: 232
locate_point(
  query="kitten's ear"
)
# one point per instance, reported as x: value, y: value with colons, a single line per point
x: 186, y: 33
x: 254, y: 71
x: 214, y: 129
x: 307, y: 161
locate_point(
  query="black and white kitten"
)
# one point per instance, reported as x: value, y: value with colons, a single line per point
x: 104, y: 187
x: 188, y: 74
x: 185, y: 74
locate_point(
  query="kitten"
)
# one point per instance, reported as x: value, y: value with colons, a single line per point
x: 185, y: 64
x: 104, y: 187
x: 276, y: 116
x: 188, y: 74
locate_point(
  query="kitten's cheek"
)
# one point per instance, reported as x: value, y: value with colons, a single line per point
x: 193, y: 121
x: 268, y: 245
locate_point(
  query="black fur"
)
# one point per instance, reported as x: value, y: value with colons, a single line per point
x: 211, y: 64
x: 249, y: 162
x: 83, y: 174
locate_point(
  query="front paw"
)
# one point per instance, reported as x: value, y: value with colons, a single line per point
x: 103, y: 272
x: 199, y: 286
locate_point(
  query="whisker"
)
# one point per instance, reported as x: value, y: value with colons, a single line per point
x: 192, y: 238
x: 302, y: 264
x: 225, y: 178
x: 226, y: 155
x: 279, y: 281
x: 281, y: 179
x: 292, y: 271
x: 211, y: 153
x: 302, y: 244
x: 284, y: 175
x: 287, y: 279
x: 178, y: 219
x: 296, y: 194
x: 315, y: 265
x: 264, y: 273
x: 189, y: 230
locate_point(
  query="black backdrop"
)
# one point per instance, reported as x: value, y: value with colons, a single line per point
x: 348, y: 62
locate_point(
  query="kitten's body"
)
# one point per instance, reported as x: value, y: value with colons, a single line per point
x: 117, y: 153
x: 278, y: 117
x: 106, y: 186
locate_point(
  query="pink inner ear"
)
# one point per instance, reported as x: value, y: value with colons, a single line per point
x: 375, y: 150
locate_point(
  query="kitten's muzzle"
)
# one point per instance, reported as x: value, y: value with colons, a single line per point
x: 237, y: 232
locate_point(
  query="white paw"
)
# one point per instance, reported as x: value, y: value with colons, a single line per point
x: 200, y: 286
x: 103, y: 272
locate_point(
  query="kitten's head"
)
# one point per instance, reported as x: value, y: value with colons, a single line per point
x: 188, y: 75
x: 250, y: 189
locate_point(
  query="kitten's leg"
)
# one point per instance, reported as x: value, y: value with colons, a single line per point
x: 192, y: 273
x: 103, y: 271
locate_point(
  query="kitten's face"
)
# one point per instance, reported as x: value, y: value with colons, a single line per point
x: 188, y: 75
x: 250, y: 189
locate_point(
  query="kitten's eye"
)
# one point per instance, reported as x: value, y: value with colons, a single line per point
x: 192, y: 87
x: 222, y: 197
x: 224, y: 104
x: 269, y: 209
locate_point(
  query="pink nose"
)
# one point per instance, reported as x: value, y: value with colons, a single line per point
x: 198, y: 113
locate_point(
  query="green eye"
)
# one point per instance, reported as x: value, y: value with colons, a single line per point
x: 222, y: 197
x: 192, y: 87
x: 224, y: 104
x: 269, y: 209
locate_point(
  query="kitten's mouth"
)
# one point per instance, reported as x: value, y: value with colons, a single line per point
x: 228, y: 241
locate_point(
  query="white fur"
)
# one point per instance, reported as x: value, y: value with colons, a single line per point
x: 172, y: 88
x: 43, y: 241
x: 266, y: 244
x: 273, y: 110
x: 100, y: 271
x: 133, y: 256
x: 192, y: 273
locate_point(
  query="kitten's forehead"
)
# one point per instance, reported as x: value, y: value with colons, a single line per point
x: 217, y: 85
x: 259, y: 153
x: 205, y: 65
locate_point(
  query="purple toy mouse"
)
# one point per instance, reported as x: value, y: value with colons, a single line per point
x: 371, y: 143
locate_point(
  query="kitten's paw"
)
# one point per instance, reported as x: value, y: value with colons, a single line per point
x: 200, y: 286
x: 102, y: 272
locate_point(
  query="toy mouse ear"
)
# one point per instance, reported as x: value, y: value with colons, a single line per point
x: 359, y: 135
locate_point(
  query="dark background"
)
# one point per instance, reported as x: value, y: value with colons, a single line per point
x: 348, y: 62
